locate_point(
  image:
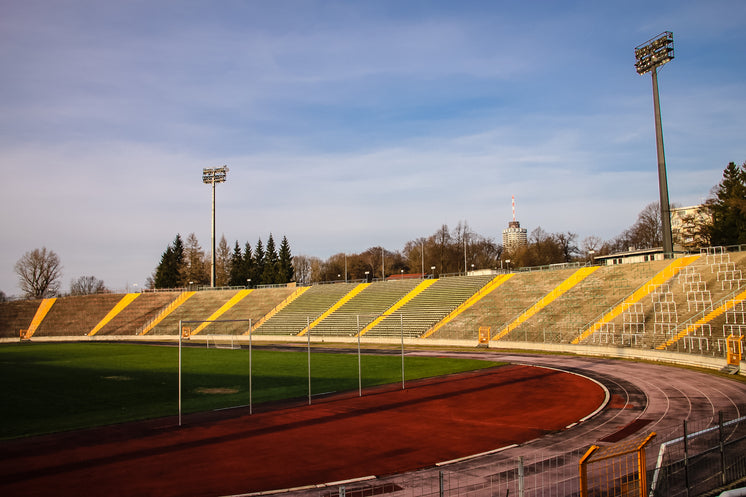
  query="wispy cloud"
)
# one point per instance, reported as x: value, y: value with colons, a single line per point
x: 347, y: 125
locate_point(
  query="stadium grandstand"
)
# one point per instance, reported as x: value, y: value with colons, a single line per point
x: 682, y: 310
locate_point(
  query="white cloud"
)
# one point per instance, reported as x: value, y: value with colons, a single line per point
x: 372, y: 124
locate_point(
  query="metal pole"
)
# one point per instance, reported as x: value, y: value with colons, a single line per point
x: 251, y: 408
x: 359, y: 367
x: 401, y: 326
x: 212, y: 272
x: 308, y: 327
x: 722, y: 448
x: 521, y: 487
x: 662, y: 178
x: 686, y: 459
x: 179, y: 382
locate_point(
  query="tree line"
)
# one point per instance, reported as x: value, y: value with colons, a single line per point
x: 185, y: 264
x: 444, y: 252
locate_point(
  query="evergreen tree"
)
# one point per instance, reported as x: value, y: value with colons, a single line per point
x: 247, y: 267
x: 236, y: 267
x: 285, y: 266
x: 258, y: 270
x: 269, y: 273
x: 168, y: 270
x: 728, y: 208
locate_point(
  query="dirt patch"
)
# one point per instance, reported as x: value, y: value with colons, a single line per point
x: 216, y: 391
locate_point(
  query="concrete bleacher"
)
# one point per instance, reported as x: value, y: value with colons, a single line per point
x: 75, y: 316
x: 690, y: 310
x: 561, y: 319
x: 254, y: 306
x: 361, y: 310
x: 427, y: 308
x: 16, y: 316
x: 295, y: 317
x: 503, y: 304
x: 140, y: 310
x: 198, y: 307
x: 663, y: 318
x: 706, y: 300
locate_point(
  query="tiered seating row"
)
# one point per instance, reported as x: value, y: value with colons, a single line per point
x: 681, y: 305
x: 360, y: 311
x: 429, y: 307
x: 299, y: 313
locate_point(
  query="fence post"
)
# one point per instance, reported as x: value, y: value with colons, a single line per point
x: 441, y: 487
x: 401, y: 327
x: 583, y: 468
x: 722, y: 448
x: 686, y: 460
x: 521, y: 487
x: 251, y: 389
x: 308, y: 327
x: 359, y: 364
x: 342, y: 491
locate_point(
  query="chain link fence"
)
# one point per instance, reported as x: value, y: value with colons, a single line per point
x: 695, y: 459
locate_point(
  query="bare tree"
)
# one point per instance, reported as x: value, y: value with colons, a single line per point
x: 591, y: 246
x: 566, y: 242
x: 222, y: 262
x: 307, y: 269
x: 87, y: 285
x: 39, y: 273
x: 195, y: 269
x: 647, y: 232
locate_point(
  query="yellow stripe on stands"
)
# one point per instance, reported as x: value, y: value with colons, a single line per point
x: 124, y: 302
x: 666, y: 274
x: 352, y: 293
x: 547, y: 299
x: 223, y: 309
x: 483, y: 292
x: 278, y: 308
x: 704, y: 320
x: 41, y: 313
x: 424, y: 285
x: 183, y: 297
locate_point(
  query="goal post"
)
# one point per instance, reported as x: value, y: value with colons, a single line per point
x: 209, y: 378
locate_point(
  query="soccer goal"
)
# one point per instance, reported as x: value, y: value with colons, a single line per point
x: 215, y: 378
x: 222, y: 342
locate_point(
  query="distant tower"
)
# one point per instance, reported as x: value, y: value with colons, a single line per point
x: 514, y: 236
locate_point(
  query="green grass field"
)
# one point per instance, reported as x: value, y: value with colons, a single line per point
x: 56, y: 387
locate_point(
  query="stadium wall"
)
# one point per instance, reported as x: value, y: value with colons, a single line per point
x: 627, y: 353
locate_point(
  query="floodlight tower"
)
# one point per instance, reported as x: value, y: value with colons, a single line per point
x: 649, y: 56
x: 211, y: 176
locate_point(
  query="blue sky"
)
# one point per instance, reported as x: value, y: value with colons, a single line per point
x: 348, y: 124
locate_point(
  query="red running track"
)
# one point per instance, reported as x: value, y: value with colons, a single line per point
x: 340, y: 437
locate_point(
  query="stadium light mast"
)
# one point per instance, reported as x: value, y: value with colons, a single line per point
x: 211, y: 176
x: 649, y: 56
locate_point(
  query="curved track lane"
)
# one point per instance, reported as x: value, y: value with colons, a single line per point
x: 644, y: 398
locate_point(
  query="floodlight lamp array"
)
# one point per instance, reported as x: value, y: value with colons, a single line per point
x: 654, y: 53
x: 214, y: 175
